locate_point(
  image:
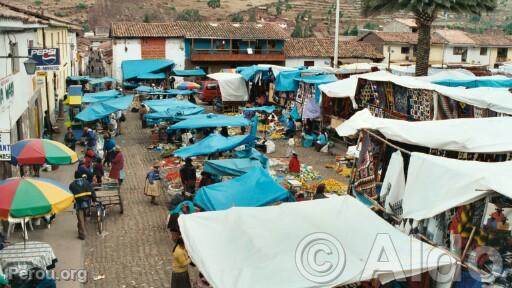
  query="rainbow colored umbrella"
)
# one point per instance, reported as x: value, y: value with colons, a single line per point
x: 41, y: 151
x: 32, y: 197
x: 188, y: 86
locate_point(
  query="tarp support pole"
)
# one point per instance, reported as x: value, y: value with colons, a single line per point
x: 387, y: 142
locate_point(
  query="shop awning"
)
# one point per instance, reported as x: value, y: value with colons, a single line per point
x: 275, y: 243
x: 151, y: 76
x: 101, y: 96
x: 133, y: 68
x: 102, y: 109
x: 211, y: 121
x: 256, y: 188
x: 285, y: 81
x: 436, y: 184
x: 189, y: 73
x: 484, y: 135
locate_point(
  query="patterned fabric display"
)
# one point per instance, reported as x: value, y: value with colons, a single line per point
x: 420, y: 104
x: 364, y: 181
x: 479, y: 112
x: 389, y: 96
x: 446, y: 108
x: 380, y: 94
x: 400, y: 101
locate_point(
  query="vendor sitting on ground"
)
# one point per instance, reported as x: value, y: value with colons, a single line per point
x: 206, y: 179
x: 323, y: 140
x: 290, y: 128
x: 320, y: 190
x: 294, y: 164
x: 153, y: 186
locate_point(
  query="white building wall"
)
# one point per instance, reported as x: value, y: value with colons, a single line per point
x: 12, y: 109
x: 474, y: 56
x: 299, y: 62
x: 126, y: 49
x: 175, y: 51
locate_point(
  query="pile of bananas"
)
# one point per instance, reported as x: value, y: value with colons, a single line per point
x: 335, y: 186
x: 276, y: 136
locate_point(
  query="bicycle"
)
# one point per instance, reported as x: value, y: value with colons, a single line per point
x: 101, y: 212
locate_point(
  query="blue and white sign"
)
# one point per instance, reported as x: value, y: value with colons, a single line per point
x: 46, y: 58
x: 5, y: 146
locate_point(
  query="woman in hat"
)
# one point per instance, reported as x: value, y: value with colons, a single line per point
x: 153, y: 186
x: 117, y: 169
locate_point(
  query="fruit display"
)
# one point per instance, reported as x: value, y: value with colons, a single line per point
x: 307, y: 174
x: 335, y: 186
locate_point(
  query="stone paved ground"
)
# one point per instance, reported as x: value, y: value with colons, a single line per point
x: 136, y: 250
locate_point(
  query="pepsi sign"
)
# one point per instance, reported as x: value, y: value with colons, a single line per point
x: 45, y: 57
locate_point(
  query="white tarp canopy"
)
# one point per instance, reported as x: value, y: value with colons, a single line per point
x: 459, y: 74
x: 436, y: 184
x: 232, y: 86
x: 496, y: 99
x: 484, y: 135
x: 272, y: 246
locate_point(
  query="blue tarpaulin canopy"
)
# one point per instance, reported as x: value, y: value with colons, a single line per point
x: 188, y: 73
x: 100, y: 96
x: 133, y: 68
x: 253, y: 154
x: 174, y: 113
x: 147, y: 89
x: 214, y: 143
x: 285, y: 81
x: 266, y: 109
x: 254, y: 189
x: 99, y: 81
x: 248, y: 73
x: 493, y: 83
x: 211, y: 120
x: 102, y: 109
x: 231, y: 167
x: 164, y: 104
x: 78, y: 78
x: 171, y: 92
x: 151, y: 76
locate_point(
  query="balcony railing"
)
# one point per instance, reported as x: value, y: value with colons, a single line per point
x: 237, y: 55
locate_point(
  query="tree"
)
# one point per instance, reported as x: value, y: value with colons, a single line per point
x: 190, y: 15
x: 237, y: 18
x: 508, y: 28
x: 214, y: 4
x: 147, y: 18
x: 425, y: 12
x: 297, y: 30
x: 279, y: 7
x: 252, y: 16
x: 371, y: 26
x: 354, y: 31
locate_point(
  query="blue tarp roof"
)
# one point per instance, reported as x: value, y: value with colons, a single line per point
x: 100, y: 96
x: 78, y: 78
x: 254, y: 189
x: 133, y: 68
x: 317, y: 79
x: 211, y: 120
x: 266, y: 109
x: 151, y: 76
x: 98, y: 81
x: 174, y: 113
x: 214, y: 143
x: 193, y: 72
x: 248, y: 73
x: 493, y: 83
x: 253, y: 154
x: 164, y: 104
x: 102, y: 109
x: 171, y: 92
x: 231, y: 167
x: 147, y: 89
x: 285, y: 81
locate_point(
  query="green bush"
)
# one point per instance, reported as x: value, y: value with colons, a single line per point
x: 60, y: 14
x: 38, y: 2
x: 237, y: 18
x: 81, y: 5
x: 190, y: 15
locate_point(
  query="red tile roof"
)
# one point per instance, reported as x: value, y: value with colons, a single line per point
x: 455, y: 37
x: 222, y: 30
x: 407, y: 21
x: 403, y: 37
x: 323, y: 48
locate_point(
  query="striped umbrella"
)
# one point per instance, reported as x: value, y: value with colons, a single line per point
x: 41, y: 151
x: 188, y: 86
x: 32, y: 197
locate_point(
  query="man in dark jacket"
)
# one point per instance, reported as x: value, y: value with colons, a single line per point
x: 84, y: 196
x: 188, y: 176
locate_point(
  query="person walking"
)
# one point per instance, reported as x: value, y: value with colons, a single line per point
x: 109, y: 146
x: 98, y: 172
x: 153, y: 186
x: 69, y: 139
x: 48, y: 126
x: 290, y: 128
x: 188, y: 176
x: 180, y: 262
x: 84, y: 196
x: 117, y: 169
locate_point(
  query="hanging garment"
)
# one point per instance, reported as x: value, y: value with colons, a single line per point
x: 400, y: 99
x: 365, y: 176
x: 393, y: 186
x: 389, y: 96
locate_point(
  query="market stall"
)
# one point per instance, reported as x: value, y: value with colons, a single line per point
x: 100, y: 96
x: 349, y: 229
x: 103, y: 109
x: 233, y: 90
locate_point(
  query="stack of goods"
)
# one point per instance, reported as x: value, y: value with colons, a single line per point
x: 334, y: 186
x: 307, y: 174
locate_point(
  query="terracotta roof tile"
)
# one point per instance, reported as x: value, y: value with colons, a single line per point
x: 456, y: 37
x: 404, y: 37
x: 222, y: 30
x: 491, y: 40
x: 314, y: 47
x: 407, y: 21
